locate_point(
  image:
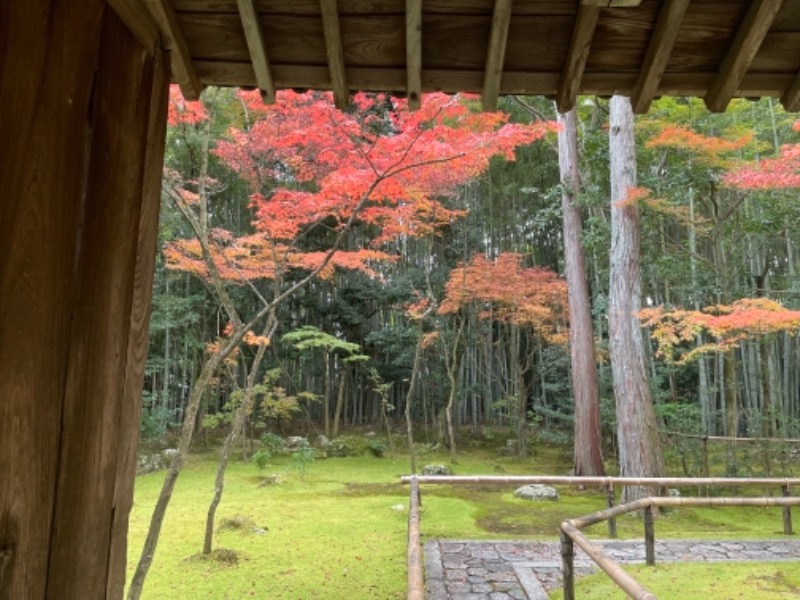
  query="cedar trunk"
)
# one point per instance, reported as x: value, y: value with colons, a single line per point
x: 588, y: 449
x: 640, y: 452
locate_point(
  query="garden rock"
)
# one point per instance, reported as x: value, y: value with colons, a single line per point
x: 150, y: 463
x: 537, y: 491
x: 295, y: 442
x: 436, y: 470
x: 322, y: 441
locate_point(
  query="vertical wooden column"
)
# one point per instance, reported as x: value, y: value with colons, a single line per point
x: 83, y: 126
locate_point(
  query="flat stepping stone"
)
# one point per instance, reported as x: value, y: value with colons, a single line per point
x: 517, y: 570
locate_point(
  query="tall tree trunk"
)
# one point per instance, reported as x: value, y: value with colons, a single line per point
x: 640, y: 452
x: 588, y: 446
x: 337, y: 413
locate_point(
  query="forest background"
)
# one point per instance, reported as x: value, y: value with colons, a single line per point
x: 422, y: 311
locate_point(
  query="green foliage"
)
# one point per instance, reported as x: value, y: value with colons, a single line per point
x: 347, y: 445
x: 271, y: 444
x: 302, y: 459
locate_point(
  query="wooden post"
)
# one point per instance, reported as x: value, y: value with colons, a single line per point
x: 787, y: 513
x: 704, y: 444
x: 612, y: 522
x: 649, y: 537
x: 568, y: 566
x: 84, y: 120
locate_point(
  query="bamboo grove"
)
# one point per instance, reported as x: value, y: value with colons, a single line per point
x: 445, y: 297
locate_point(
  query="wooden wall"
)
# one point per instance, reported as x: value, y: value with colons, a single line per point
x: 82, y: 123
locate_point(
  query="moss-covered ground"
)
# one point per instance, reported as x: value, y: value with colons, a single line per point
x: 339, y: 530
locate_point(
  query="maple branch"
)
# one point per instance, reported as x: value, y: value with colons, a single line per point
x: 528, y: 108
x: 202, y: 236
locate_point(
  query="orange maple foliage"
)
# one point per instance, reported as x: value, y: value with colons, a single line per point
x: 709, y: 150
x: 727, y: 325
x: 780, y: 172
x: 307, y: 163
x: 182, y: 111
x: 511, y: 293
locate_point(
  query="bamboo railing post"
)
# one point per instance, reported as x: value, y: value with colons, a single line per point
x: 568, y: 566
x: 704, y: 443
x: 649, y: 537
x: 612, y: 522
x: 787, y: 512
x: 416, y: 581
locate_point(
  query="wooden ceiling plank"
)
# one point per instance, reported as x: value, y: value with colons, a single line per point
x: 791, y: 97
x: 745, y: 45
x: 335, y: 52
x: 582, y: 34
x: 254, y: 36
x: 658, y: 53
x: 183, y: 70
x: 495, y: 56
x: 414, y: 53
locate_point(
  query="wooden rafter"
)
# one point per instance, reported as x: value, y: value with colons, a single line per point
x: 254, y: 35
x: 183, y: 71
x: 658, y: 53
x: 495, y: 57
x: 581, y: 42
x: 139, y: 21
x: 791, y: 97
x: 334, y: 51
x: 414, y: 53
x: 745, y: 45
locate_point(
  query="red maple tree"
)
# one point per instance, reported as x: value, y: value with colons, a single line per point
x: 508, y: 292
x: 379, y: 165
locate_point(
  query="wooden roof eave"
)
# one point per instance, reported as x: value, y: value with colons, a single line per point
x: 658, y: 53
x: 183, y: 71
x: 740, y: 55
x: 335, y: 52
x: 254, y: 36
x: 414, y: 53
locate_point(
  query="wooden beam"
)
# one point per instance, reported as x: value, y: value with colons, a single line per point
x: 414, y: 53
x: 183, y: 70
x: 335, y: 52
x: 611, y: 3
x: 791, y: 97
x: 495, y: 57
x: 571, y: 76
x: 658, y: 53
x: 258, y: 52
x: 514, y: 82
x: 745, y: 45
x: 139, y: 22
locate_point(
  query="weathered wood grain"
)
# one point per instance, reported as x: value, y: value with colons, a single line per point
x: 362, y: 7
x: 152, y: 142
x: 43, y: 125
x: 73, y: 169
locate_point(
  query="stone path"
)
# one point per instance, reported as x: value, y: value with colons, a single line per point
x: 506, y: 570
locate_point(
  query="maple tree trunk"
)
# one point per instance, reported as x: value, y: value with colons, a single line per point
x: 640, y: 452
x: 588, y: 447
x: 187, y: 433
x: 240, y: 416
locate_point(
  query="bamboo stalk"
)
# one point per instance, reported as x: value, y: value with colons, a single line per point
x: 617, y: 574
x: 416, y: 582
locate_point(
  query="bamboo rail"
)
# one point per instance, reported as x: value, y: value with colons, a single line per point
x: 609, y: 483
x: 571, y: 534
x: 416, y: 581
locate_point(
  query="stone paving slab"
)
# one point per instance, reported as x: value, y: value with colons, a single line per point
x: 517, y: 570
